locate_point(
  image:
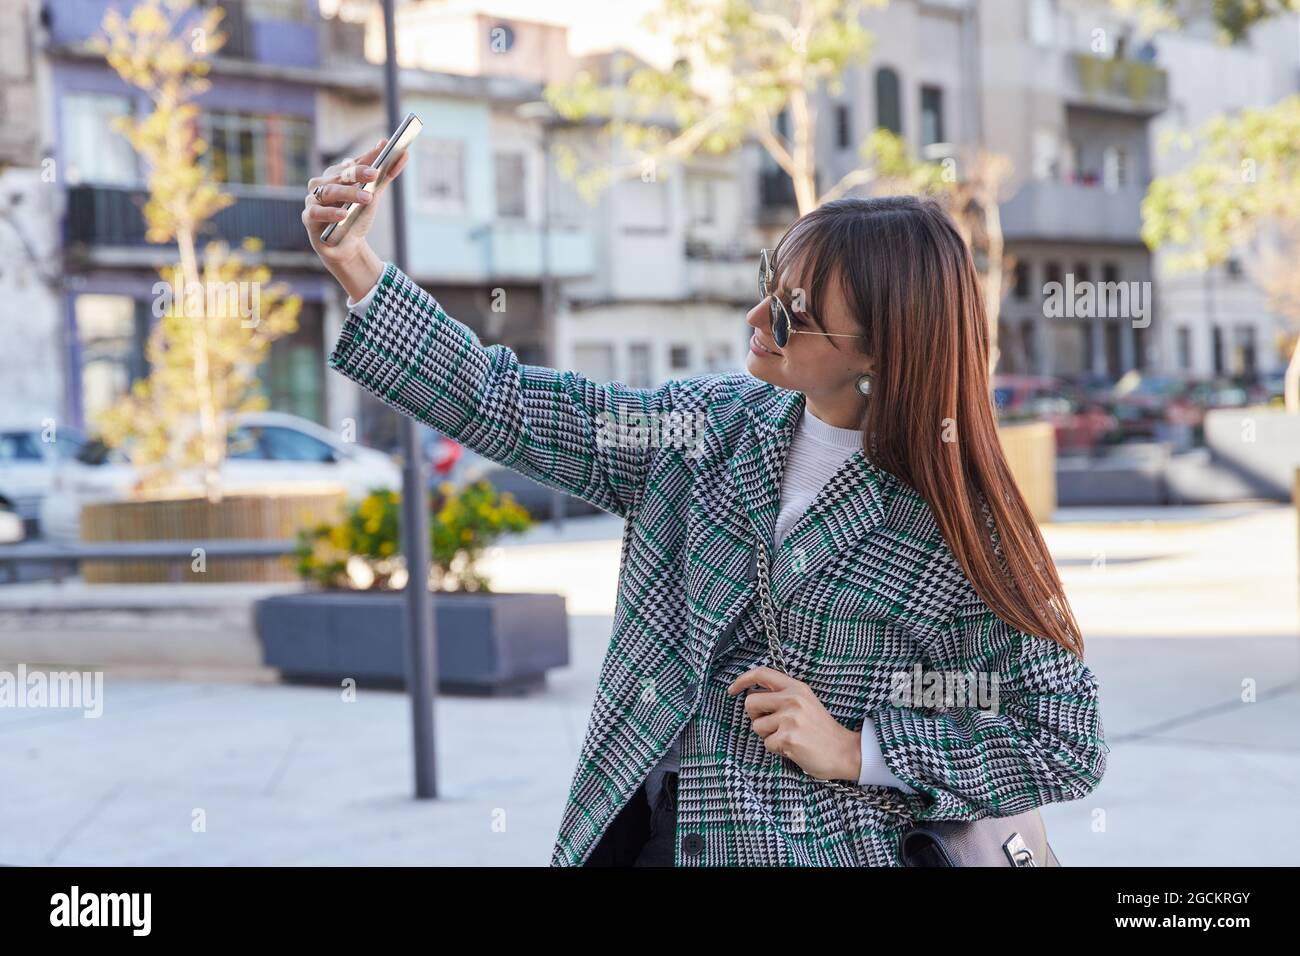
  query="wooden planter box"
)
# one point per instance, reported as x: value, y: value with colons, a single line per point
x: 264, y: 517
x: 487, y: 643
x: 1031, y: 452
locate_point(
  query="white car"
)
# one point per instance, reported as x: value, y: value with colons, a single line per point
x: 12, y: 529
x: 28, y: 459
x: 267, y: 451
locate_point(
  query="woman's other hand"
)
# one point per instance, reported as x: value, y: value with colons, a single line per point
x: 793, y: 722
x: 351, y: 260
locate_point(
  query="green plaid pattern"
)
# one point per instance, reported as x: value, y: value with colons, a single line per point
x: 864, y: 587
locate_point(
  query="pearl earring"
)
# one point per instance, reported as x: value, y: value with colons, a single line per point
x: 864, y: 384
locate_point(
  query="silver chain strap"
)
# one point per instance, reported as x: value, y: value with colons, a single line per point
x: 876, y: 796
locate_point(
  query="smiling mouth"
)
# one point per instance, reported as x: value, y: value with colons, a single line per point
x: 761, y: 347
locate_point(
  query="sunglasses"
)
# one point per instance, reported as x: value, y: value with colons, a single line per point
x: 782, y: 325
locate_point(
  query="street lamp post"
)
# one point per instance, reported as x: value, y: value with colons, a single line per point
x: 421, y: 641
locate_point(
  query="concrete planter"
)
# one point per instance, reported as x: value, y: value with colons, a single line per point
x: 1260, y: 446
x: 487, y: 643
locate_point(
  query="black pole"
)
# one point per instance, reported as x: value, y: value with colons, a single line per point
x: 558, y: 502
x: 421, y: 641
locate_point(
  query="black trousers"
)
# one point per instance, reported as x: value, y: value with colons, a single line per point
x: 641, y: 835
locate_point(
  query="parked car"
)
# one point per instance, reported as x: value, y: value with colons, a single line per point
x: 28, y: 459
x: 265, y: 449
x: 1080, y: 425
x: 12, y: 529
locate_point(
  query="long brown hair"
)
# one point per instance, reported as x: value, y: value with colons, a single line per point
x: 910, y: 282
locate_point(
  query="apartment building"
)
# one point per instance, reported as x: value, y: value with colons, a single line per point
x: 259, y: 118
x: 1219, y: 322
x: 653, y: 278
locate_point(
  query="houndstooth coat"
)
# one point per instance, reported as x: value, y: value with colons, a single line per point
x: 864, y: 588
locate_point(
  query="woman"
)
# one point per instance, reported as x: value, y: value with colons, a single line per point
x: 859, y: 451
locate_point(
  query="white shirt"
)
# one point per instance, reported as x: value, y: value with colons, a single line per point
x: 816, y: 452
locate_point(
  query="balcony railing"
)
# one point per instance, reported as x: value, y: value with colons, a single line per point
x: 1131, y: 86
x: 1068, y: 211
x: 110, y: 216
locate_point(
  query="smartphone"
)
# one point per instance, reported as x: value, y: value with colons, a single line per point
x: 392, y: 151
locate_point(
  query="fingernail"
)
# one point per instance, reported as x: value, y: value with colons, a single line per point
x: 363, y: 196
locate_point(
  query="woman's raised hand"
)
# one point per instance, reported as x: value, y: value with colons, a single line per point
x: 350, y: 260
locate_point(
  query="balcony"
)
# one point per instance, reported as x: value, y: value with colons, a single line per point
x: 728, y: 275
x: 515, y: 250
x: 1125, y: 86
x: 1074, y: 213
x: 110, y: 216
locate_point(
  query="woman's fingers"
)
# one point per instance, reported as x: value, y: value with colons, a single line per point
x: 316, y: 213
x: 353, y: 173
x: 338, y: 194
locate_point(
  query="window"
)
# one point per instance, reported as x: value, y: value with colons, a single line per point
x: 1051, y: 273
x: 1115, y: 167
x: 1217, y: 349
x: 440, y: 181
x: 596, y: 362
x: 288, y: 444
x: 703, y: 199
x: 645, y: 206
x: 1029, y: 341
x: 250, y: 149
x: 19, y: 446
x: 843, y: 127
x: 889, y: 110
x: 1046, y: 155
x: 93, y: 150
x: 1109, y: 272
x: 638, y: 365
x: 292, y: 378
x: 1244, y: 359
x: 931, y: 115
x: 1022, y: 279
x: 679, y: 357
x: 244, y: 444
x: 511, y: 185
x: 111, y: 332
x: 1184, y: 347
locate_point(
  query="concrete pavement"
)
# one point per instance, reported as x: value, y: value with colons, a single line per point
x: 1180, y: 612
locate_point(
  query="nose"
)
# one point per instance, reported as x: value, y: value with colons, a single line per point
x: 758, y: 317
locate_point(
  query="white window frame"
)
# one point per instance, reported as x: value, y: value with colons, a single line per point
x: 432, y: 158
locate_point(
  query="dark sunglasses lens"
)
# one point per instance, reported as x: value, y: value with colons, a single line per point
x: 780, y: 327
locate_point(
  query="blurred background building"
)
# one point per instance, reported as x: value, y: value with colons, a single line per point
x: 496, y: 229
